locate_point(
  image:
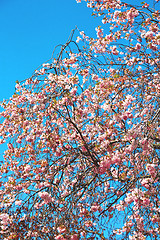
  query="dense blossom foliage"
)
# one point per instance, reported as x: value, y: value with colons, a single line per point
x: 83, y: 135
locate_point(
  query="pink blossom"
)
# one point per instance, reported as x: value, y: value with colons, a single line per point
x: 2, y: 141
x: 116, y: 13
x: 149, y: 34
x: 27, y: 168
x: 88, y: 224
x: 45, y: 196
x: 60, y: 237
x: 138, y: 46
x: 61, y: 229
x: 99, y: 32
x: 37, y: 205
x: 95, y: 208
x: 114, y: 50
x: 73, y: 91
x: 104, y: 165
x: 74, y: 237
x: 78, y: 39
x: 4, y: 219
x: 151, y: 169
x: 18, y: 202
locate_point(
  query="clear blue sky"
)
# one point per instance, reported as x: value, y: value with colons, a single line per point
x: 29, y: 32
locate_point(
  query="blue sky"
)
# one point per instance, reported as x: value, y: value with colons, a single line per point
x: 29, y: 32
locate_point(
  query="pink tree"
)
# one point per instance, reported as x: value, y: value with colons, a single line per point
x: 83, y: 135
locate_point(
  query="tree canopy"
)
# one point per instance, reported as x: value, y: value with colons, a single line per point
x: 83, y: 135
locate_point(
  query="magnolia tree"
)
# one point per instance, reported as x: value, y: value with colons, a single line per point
x: 83, y: 135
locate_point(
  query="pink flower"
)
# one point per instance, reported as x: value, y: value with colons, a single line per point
x: 61, y: 229
x: 104, y: 165
x: 1, y: 141
x: 18, y: 202
x: 19, y: 140
x: 78, y: 39
x: 116, y: 14
x: 146, y: 201
x: 88, y: 224
x: 45, y: 196
x: 37, y: 206
x: 27, y: 168
x: 95, y: 208
x: 74, y: 237
x: 114, y: 50
x: 73, y: 91
x: 131, y: 14
x: 138, y: 46
x: 99, y: 32
x: 60, y: 237
x: 4, y: 219
x: 149, y: 35
x: 124, y: 117
x: 151, y: 169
